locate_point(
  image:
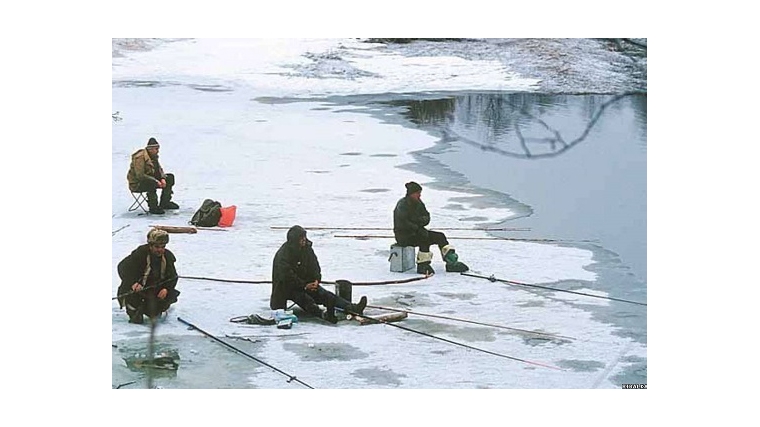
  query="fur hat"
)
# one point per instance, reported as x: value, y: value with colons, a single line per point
x: 412, y: 187
x: 152, y: 143
x: 156, y: 236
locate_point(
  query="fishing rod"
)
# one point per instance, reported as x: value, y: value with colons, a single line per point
x: 327, y: 282
x: 546, y: 334
x: 370, y: 236
x: 510, y: 282
x: 384, y: 282
x: 146, y: 288
x: 257, y: 282
x: 375, y: 320
x: 185, y: 229
x: 232, y: 347
x: 119, y: 229
x: 151, y: 342
x: 124, y: 384
x: 274, y: 227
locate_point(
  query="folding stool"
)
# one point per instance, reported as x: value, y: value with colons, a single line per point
x: 140, y: 200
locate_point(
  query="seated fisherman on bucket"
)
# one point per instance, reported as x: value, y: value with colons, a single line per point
x: 296, y: 275
x: 409, y: 220
x: 148, y: 278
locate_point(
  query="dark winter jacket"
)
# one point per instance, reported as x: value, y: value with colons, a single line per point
x: 142, y: 168
x: 292, y: 269
x: 134, y: 267
x: 409, y: 220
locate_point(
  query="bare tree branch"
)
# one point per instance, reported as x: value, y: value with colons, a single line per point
x: 557, y: 139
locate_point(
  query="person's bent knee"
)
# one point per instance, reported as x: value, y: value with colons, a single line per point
x: 147, y: 186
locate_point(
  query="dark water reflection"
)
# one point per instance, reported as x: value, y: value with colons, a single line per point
x: 522, y: 125
x: 578, y: 161
x: 572, y: 167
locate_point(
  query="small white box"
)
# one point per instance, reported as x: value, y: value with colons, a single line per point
x: 402, y: 258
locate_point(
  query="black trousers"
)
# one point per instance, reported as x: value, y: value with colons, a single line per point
x: 149, y: 186
x: 424, y: 240
x: 308, y: 300
x: 148, y: 303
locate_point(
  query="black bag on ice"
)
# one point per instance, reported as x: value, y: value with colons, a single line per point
x: 208, y: 215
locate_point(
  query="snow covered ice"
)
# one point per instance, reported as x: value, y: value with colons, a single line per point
x: 245, y: 122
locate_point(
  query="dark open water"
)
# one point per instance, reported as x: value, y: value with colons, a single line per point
x: 577, y: 164
x: 573, y: 167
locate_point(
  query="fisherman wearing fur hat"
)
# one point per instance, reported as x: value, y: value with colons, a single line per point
x: 146, y: 175
x: 296, y: 275
x: 409, y: 220
x: 148, y: 278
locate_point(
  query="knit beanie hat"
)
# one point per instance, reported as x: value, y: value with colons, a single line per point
x: 412, y: 187
x: 152, y: 143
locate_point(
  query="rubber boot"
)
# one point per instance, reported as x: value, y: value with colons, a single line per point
x: 329, y: 313
x: 348, y: 307
x: 312, y: 309
x: 449, y: 255
x: 359, y: 307
x: 423, y: 263
x: 135, y: 316
x: 452, y: 260
x: 166, y: 199
x: 326, y: 315
x: 153, y: 204
x: 329, y: 316
x: 457, y: 267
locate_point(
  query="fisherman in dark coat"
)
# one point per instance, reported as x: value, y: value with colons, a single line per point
x: 149, y: 278
x: 410, y: 217
x: 296, y: 275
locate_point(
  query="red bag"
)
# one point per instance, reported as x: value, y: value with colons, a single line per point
x: 228, y: 216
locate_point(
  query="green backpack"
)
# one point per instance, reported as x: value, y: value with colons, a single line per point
x: 208, y: 215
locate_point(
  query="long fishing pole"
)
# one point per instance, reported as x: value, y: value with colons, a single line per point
x: 511, y: 282
x: 124, y: 384
x: 370, y: 236
x: 233, y: 348
x: 151, y: 342
x: 119, y: 229
x: 327, y: 282
x: 450, y: 341
x: 546, y: 334
x: 185, y: 229
x: 384, y: 282
x: 258, y: 282
x: 387, y: 228
x: 145, y: 288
